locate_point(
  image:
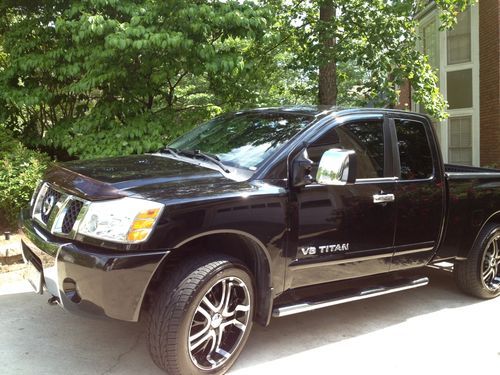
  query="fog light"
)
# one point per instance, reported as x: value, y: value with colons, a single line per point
x: 69, y: 288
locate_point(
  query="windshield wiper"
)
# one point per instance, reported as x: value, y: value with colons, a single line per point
x: 198, y: 154
x: 170, y: 150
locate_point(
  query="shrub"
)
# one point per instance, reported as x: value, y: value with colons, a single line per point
x: 20, y: 171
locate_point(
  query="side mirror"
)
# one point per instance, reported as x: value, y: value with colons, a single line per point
x: 337, y: 167
x: 301, y: 170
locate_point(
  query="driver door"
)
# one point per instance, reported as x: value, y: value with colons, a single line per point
x: 343, y: 231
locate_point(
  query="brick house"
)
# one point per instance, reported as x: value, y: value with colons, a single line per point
x: 467, y: 61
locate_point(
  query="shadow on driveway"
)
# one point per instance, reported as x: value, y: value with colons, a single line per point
x: 413, y: 331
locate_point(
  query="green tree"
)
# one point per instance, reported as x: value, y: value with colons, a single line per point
x: 378, y: 37
x: 109, y: 77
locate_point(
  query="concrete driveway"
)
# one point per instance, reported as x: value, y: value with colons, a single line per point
x: 426, y: 330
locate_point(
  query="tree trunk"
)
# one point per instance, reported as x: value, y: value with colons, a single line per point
x: 328, y: 67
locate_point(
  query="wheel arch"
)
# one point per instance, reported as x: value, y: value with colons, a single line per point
x: 465, y: 250
x: 242, y: 245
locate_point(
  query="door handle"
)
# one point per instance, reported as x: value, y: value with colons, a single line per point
x: 383, y: 198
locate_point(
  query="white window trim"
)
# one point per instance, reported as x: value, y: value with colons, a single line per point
x: 444, y: 68
x: 474, y: 110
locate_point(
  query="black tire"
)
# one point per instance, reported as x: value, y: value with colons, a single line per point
x: 180, y: 314
x: 479, y: 275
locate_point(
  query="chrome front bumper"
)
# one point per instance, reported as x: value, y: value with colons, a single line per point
x: 89, y: 280
x: 41, y: 253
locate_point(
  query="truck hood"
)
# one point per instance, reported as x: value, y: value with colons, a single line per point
x: 109, y: 178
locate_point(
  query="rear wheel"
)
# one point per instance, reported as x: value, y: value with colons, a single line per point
x: 479, y: 275
x: 203, y: 316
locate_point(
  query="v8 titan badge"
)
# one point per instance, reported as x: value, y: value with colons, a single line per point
x: 326, y: 249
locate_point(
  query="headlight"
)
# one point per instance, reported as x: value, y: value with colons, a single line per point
x: 126, y: 220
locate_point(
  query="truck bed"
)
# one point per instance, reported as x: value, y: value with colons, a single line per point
x: 455, y: 168
x: 473, y: 196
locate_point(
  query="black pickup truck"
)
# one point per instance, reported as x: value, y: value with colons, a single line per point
x: 258, y: 214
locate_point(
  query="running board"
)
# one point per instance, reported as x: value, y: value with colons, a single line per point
x: 356, y: 295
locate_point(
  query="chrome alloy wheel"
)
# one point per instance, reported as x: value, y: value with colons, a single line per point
x: 219, y: 323
x: 491, y: 265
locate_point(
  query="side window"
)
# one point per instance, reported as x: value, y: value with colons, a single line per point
x: 414, y: 150
x: 366, y: 138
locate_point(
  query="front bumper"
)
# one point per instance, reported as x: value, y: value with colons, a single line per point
x: 89, y: 280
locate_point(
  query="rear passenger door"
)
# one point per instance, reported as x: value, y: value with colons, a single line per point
x: 419, y: 193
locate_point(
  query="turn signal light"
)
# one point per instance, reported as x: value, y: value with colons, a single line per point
x: 138, y: 235
x: 142, y: 224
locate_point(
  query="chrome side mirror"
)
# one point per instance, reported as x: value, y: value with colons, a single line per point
x: 337, y: 167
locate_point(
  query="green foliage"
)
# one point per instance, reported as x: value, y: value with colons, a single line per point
x: 375, y: 47
x: 119, y: 77
x: 20, y: 171
x: 449, y: 10
x: 111, y: 77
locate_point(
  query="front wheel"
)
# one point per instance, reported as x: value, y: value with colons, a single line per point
x: 203, y: 316
x: 479, y: 275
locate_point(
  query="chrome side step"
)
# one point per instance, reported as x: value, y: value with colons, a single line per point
x: 442, y: 266
x: 304, y: 306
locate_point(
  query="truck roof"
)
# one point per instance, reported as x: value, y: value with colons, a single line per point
x: 323, y: 110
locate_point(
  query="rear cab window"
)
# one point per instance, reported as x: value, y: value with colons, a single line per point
x: 414, y: 150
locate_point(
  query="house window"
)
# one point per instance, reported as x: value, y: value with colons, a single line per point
x: 459, y: 40
x: 459, y: 91
x: 460, y: 140
x: 430, y: 43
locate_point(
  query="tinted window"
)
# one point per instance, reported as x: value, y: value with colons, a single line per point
x: 366, y: 138
x: 414, y: 150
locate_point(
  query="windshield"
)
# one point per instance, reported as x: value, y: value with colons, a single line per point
x: 243, y: 140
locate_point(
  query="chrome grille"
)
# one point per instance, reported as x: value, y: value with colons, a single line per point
x: 49, y: 203
x: 74, y: 208
x: 57, y: 211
